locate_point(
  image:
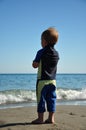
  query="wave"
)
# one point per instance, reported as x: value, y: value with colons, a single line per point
x: 17, y: 96
x: 71, y: 94
x: 28, y: 96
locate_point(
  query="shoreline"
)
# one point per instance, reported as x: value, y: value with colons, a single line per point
x: 31, y: 104
x: 67, y: 117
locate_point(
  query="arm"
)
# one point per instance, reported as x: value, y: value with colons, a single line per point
x: 36, y: 61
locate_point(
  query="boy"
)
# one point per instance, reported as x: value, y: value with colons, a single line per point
x: 46, y: 61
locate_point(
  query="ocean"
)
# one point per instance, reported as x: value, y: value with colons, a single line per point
x: 19, y: 90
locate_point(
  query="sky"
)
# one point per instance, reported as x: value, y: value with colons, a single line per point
x: 21, y: 25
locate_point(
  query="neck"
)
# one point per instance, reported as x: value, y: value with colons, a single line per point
x: 51, y: 45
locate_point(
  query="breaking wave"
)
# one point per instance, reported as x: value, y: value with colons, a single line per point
x: 21, y: 96
x: 16, y: 96
x: 71, y: 94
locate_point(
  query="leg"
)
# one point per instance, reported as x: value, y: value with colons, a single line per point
x: 40, y: 117
x: 51, y: 117
x: 40, y: 106
x: 51, y: 104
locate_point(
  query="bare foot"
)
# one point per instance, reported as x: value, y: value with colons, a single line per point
x: 49, y: 122
x: 37, y: 121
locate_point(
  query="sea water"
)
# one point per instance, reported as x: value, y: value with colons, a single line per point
x: 19, y: 90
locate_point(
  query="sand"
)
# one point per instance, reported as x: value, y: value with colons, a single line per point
x: 66, y: 118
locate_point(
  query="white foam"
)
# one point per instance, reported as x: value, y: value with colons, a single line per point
x: 71, y: 94
x: 17, y: 96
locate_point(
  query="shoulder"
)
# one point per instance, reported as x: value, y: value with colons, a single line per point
x: 40, y: 52
x: 56, y: 53
x: 39, y: 55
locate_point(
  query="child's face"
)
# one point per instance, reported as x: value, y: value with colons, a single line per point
x: 43, y: 42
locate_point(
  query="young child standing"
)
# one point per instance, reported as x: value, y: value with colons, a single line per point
x: 46, y: 61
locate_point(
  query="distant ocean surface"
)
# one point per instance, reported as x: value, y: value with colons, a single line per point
x: 19, y: 90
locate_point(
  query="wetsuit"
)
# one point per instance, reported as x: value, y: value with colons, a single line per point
x: 46, y: 80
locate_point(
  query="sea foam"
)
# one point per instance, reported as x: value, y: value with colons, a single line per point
x: 71, y: 94
x: 19, y: 96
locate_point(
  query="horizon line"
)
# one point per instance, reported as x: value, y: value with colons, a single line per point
x: 36, y: 73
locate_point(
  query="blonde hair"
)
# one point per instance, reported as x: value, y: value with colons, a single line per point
x: 50, y: 35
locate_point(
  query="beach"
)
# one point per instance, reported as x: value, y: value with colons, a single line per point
x: 18, y: 102
x: 66, y: 118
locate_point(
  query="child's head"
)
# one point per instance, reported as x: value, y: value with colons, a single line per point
x: 50, y: 36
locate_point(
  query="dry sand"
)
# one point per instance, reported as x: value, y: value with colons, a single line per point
x: 66, y: 118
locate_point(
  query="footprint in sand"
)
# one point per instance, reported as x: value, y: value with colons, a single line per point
x: 71, y: 113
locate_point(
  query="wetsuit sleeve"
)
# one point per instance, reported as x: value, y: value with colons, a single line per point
x: 38, y: 56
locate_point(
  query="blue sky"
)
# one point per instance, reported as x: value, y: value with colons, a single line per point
x: 21, y: 25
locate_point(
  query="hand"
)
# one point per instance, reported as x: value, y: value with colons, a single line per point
x: 35, y: 64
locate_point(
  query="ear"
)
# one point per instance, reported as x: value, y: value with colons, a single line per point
x: 45, y: 42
